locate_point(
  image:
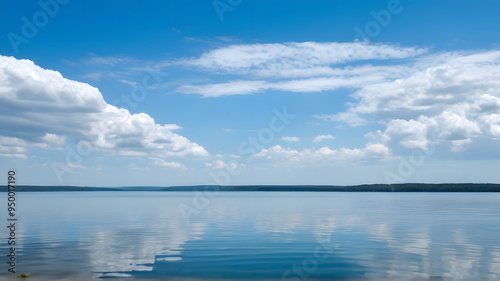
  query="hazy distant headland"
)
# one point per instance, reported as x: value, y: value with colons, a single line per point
x: 405, y: 187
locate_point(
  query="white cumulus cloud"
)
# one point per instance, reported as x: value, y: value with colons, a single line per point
x: 323, y: 137
x: 452, y: 99
x: 40, y: 108
x: 324, y: 155
x: 162, y: 163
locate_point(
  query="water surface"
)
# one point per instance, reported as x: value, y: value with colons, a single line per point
x: 257, y: 236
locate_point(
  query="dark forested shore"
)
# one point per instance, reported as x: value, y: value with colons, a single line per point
x: 405, y: 187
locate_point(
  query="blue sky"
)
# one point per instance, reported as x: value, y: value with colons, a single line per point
x: 249, y: 92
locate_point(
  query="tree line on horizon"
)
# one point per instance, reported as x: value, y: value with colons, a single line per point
x: 404, y: 187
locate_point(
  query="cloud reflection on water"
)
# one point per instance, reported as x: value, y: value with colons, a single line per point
x: 381, y: 236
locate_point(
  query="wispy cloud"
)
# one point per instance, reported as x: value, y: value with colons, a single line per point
x: 270, y: 60
x: 349, y: 117
x: 133, y: 166
x: 296, y: 67
x: 110, y: 61
x: 131, y: 83
x: 292, y: 139
x: 217, y: 164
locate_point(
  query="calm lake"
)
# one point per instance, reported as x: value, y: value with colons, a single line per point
x: 255, y: 236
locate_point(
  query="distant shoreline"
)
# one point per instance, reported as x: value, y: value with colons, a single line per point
x: 405, y: 187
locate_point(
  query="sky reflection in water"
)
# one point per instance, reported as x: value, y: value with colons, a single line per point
x: 266, y: 236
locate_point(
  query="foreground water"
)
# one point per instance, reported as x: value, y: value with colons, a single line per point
x: 257, y: 236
